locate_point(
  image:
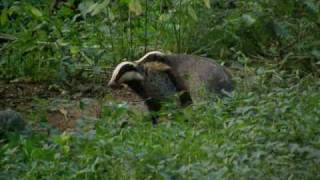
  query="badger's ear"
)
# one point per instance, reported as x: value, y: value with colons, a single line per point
x: 131, y: 76
x: 156, y: 66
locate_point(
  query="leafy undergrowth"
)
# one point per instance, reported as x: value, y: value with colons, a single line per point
x: 267, y: 129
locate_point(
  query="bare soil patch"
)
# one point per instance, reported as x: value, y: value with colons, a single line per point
x: 64, y: 105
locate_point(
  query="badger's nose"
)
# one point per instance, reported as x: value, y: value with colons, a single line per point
x: 112, y: 85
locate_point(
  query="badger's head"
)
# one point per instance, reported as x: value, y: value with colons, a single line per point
x: 125, y: 73
x: 152, y: 81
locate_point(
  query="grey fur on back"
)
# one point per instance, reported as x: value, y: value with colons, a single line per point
x: 200, y: 73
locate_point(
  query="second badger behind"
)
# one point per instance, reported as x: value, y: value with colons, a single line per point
x: 152, y: 83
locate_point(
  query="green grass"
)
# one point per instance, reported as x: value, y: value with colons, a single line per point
x: 269, y: 128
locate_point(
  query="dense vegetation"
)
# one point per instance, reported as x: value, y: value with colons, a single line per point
x: 268, y: 128
x: 56, y: 41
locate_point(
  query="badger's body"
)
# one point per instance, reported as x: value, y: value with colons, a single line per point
x: 157, y: 84
x: 197, y: 75
x: 197, y: 72
x: 157, y: 76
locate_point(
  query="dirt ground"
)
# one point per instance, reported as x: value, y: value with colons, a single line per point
x: 62, y: 105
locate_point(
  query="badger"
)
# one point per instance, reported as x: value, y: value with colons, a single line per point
x: 152, y: 82
x: 193, y: 73
x: 157, y: 76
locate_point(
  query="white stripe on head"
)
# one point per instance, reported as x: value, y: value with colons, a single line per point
x: 116, y: 71
x: 145, y: 57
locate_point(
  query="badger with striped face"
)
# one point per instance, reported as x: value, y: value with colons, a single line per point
x: 146, y: 81
x: 153, y: 82
x: 157, y: 76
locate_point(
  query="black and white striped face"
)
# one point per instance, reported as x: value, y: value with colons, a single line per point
x: 124, y: 73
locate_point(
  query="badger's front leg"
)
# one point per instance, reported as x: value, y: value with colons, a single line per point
x: 154, y: 107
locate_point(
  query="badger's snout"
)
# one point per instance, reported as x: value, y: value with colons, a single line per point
x: 114, y: 85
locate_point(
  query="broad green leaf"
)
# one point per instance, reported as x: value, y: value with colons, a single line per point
x: 86, y: 7
x: 135, y: 7
x: 248, y: 19
x: 207, y: 3
x: 36, y: 12
x: 14, y: 9
x: 92, y: 7
x: 192, y: 13
x: 100, y: 7
x: 74, y: 50
x: 164, y: 17
x: 4, y: 17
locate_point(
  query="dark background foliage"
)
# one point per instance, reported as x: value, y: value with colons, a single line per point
x: 46, y: 40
